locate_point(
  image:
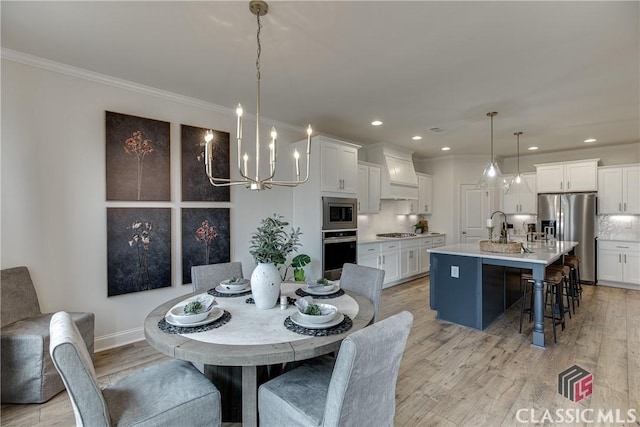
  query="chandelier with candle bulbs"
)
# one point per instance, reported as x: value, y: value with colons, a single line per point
x: 255, y: 182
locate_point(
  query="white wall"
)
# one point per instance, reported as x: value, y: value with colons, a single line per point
x: 53, y: 212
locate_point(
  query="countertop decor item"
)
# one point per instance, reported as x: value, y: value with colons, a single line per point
x: 270, y: 245
x: 258, y: 8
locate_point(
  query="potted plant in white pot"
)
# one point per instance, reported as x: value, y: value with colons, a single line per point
x: 270, y: 245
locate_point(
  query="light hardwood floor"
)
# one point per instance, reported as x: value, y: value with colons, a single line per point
x: 456, y: 376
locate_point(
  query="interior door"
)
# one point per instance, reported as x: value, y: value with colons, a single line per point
x: 474, y: 211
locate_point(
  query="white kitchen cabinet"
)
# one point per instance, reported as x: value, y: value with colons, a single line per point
x: 581, y: 175
x: 425, y: 192
x: 424, y: 258
x: 406, y: 207
x: 385, y: 256
x: 522, y: 203
x: 368, y: 188
x: 409, y: 258
x: 390, y: 261
x: 619, y: 190
x: 368, y: 254
x: 619, y: 261
x: 339, y: 167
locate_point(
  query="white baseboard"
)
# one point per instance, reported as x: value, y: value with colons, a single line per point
x: 118, y: 339
x: 631, y: 286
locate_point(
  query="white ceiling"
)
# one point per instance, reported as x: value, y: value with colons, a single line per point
x: 559, y: 71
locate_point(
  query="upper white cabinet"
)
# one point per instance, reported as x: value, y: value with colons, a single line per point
x: 581, y: 175
x: 619, y: 190
x: 339, y: 167
x: 368, y: 188
x: 522, y: 203
x: 425, y: 192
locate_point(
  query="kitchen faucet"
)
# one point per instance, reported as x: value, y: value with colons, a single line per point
x: 503, y: 230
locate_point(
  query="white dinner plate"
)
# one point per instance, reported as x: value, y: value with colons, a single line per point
x: 222, y: 290
x: 214, y: 315
x: 321, y: 290
x: 296, y: 318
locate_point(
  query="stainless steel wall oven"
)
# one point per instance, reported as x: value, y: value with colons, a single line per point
x: 338, y: 247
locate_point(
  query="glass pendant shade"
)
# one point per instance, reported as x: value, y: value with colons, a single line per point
x: 518, y: 184
x: 492, y: 178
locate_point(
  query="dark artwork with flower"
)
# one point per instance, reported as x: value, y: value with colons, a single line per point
x: 138, y: 249
x: 138, y: 158
x: 195, y: 183
x: 206, y: 237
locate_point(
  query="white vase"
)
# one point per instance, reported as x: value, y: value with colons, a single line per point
x: 265, y: 285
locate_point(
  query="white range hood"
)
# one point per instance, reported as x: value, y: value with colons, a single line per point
x: 398, y: 179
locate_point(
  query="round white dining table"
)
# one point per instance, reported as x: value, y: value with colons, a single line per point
x: 253, y: 338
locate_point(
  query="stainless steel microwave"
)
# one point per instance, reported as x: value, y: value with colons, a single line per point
x: 339, y: 213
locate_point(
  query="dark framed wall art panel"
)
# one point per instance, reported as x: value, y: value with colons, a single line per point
x: 206, y: 238
x: 138, y: 158
x: 195, y: 184
x: 138, y: 249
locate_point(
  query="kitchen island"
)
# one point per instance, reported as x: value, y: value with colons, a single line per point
x: 470, y: 287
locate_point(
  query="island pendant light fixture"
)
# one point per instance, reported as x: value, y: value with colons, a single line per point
x: 258, y: 8
x: 518, y: 184
x: 491, y: 178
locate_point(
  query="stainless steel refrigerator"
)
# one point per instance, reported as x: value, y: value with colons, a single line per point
x: 572, y: 216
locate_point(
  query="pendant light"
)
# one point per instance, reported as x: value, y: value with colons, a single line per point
x: 256, y: 182
x: 491, y: 178
x: 518, y: 184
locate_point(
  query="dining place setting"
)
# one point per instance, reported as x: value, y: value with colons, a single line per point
x: 306, y: 315
x: 198, y: 313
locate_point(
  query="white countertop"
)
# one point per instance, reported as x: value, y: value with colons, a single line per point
x: 365, y: 240
x: 543, y: 252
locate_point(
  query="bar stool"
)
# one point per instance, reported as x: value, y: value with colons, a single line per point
x: 553, y: 281
x: 573, y: 262
x: 566, y: 287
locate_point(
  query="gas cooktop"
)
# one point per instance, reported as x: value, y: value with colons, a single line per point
x: 394, y: 235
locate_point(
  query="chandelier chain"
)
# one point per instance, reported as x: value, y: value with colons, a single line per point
x: 259, y: 49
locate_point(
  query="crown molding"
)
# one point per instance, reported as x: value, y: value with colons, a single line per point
x: 81, y: 73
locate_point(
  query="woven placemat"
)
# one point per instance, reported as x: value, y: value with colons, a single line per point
x: 221, y: 295
x: 340, y: 328
x: 302, y: 293
x: 170, y: 329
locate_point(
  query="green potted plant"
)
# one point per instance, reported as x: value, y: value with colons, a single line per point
x: 298, y: 262
x: 270, y: 245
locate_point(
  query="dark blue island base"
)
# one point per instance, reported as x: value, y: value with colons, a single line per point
x: 478, y: 296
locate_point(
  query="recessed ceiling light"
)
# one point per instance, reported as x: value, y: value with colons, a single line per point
x: 590, y: 140
x: 416, y: 138
x: 376, y: 123
x: 532, y: 148
x: 445, y: 148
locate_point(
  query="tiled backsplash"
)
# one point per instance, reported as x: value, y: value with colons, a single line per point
x: 619, y: 227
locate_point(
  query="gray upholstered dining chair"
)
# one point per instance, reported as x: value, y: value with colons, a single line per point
x: 360, y: 390
x: 27, y: 372
x: 366, y: 281
x: 205, y: 277
x: 172, y: 393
